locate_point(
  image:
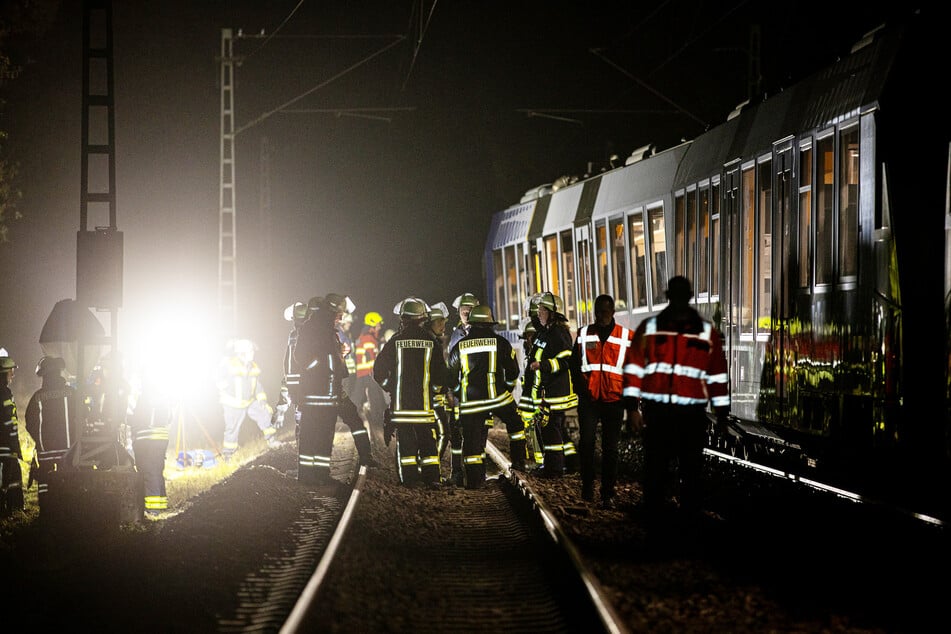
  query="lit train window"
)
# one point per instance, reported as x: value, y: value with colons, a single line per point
x: 715, y: 242
x: 680, y: 236
x: 498, y: 283
x: 848, y: 201
x: 601, y: 257
x: 551, y: 259
x: 825, y: 199
x: 568, y: 267
x: 638, y: 257
x: 690, y: 252
x: 619, y: 263
x: 805, y: 216
x: 702, y: 284
x: 764, y: 210
x: 511, y: 275
x: 747, y: 246
x: 657, y: 246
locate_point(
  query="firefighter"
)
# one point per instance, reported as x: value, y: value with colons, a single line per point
x: 322, y: 369
x: 483, y: 368
x: 297, y: 313
x: 108, y: 400
x: 349, y: 350
x: 150, y: 422
x: 242, y: 396
x: 367, y: 392
x: 548, y: 386
x: 532, y: 419
x: 601, y: 362
x: 53, y: 421
x: 412, y: 369
x: 463, y: 304
x: 448, y: 432
x: 11, y: 476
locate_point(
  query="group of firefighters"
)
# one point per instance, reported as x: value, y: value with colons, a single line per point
x: 444, y: 390
x: 430, y: 390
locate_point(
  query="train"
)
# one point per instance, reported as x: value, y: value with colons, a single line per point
x: 814, y: 226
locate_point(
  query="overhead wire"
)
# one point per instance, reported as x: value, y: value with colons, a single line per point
x: 275, y: 31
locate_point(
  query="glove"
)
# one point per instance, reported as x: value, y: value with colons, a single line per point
x: 635, y: 421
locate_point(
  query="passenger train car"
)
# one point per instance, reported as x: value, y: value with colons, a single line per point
x: 814, y: 227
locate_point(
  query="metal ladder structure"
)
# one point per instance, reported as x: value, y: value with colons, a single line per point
x: 227, y: 236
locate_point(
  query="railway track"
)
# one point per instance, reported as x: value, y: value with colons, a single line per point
x: 491, y: 559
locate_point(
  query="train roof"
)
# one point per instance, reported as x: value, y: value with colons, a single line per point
x: 851, y: 85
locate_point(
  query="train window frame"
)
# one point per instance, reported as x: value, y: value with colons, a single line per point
x: 680, y: 234
x: 747, y: 245
x: 619, y: 266
x: 716, y: 240
x: 764, y: 230
x: 824, y: 250
x: 847, y: 186
x: 805, y: 176
x: 691, y: 264
x: 639, y: 265
x: 602, y: 264
x: 658, y: 265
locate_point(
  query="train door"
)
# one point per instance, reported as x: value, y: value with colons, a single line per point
x: 786, y: 222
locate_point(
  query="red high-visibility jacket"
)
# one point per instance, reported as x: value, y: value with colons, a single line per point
x: 606, y: 366
x: 680, y: 362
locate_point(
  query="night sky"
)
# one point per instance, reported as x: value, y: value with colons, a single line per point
x: 391, y: 203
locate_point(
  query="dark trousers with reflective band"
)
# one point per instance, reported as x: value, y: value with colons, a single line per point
x: 673, y: 432
x: 358, y: 429
x: 316, y: 441
x: 553, y: 442
x: 417, y: 453
x: 610, y: 415
x: 475, y: 432
x: 150, y: 462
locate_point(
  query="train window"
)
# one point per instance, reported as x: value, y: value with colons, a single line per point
x: 619, y: 263
x: 638, y: 254
x: 584, y: 301
x: 703, y: 262
x: 680, y: 233
x: 690, y: 252
x: 568, y: 266
x: 825, y: 197
x: 528, y: 273
x: 805, y: 216
x: 498, y: 286
x: 657, y: 243
x: 551, y: 261
x: 601, y: 257
x: 747, y: 246
x: 715, y: 242
x: 514, y: 306
x: 764, y: 208
x: 848, y: 201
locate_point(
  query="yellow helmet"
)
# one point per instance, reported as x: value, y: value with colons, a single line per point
x: 372, y: 319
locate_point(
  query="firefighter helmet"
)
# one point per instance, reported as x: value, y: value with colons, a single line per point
x: 296, y: 312
x: 531, y: 305
x: 466, y: 299
x: 6, y: 363
x: 413, y: 308
x: 243, y: 346
x: 552, y: 302
x: 482, y: 315
x: 372, y: 319
x: 528, y: 330
x: 439, y: 310
x: 338, y: 303
x: 50, y: 366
